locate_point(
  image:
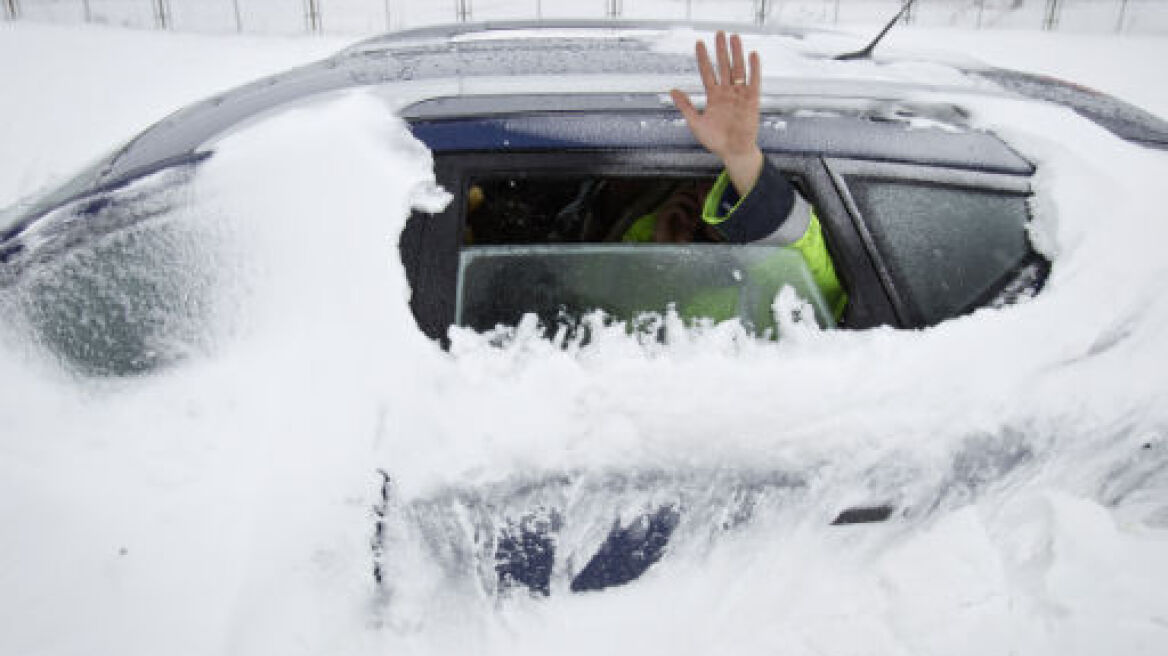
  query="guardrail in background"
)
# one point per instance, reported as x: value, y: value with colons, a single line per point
x: 312, y: 16
x: 761, y: 10
x: 377, y: 15
x: 1051, y: 17
x: 162, y: 14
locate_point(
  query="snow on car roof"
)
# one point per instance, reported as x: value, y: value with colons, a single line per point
x: 631, y: 62
x: 568, y: 28
x: 526, y: 59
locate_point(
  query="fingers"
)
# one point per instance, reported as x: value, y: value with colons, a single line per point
x: 684, y: 105
x: 737, y: 62
x: 706, y: 68
x: 755, y: 74
x: 723, y: 54
x: 731, y: 63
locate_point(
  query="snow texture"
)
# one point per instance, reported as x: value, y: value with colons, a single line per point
x: 228, y: 504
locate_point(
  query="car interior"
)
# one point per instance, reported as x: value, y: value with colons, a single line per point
x: 525, y: 209
x: 563, y: 246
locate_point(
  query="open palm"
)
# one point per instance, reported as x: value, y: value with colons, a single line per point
x: 728, y: 127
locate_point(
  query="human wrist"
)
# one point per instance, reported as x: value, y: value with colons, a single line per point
x: 743, y: 168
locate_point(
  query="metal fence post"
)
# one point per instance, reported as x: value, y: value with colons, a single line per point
x: 613, y: 8
x: 162, y: 14
x: 980, y: 12
x: 11, y: 9
x: 88, y: 11
x: 388, y: 22
x: 312, y: 18
x: 462, y: 10
x: 760, y: 12
x: 1119, y: 22
x: 1050, y: 19
x: 539, y: 9
x: 238, y: 16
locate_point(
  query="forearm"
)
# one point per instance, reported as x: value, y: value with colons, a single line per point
x: 743, y: 168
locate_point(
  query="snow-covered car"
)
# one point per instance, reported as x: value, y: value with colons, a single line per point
x: 551, y: 138
x: 569, y: 131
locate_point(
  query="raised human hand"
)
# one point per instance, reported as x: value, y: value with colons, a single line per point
x: 729, y: 125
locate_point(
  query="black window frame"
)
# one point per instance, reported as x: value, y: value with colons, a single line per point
x: 430, y: 244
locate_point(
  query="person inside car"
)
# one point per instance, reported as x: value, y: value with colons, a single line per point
x: 751, y: 201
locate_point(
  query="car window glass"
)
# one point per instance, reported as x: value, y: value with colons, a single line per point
x: 948, y: 246
x: 559, y: 283
x: 119, y: 283
x: 562, y: 246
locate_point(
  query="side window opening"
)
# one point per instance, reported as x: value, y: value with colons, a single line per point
x: 564, y: 245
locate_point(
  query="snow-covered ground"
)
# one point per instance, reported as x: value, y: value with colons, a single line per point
x: 224, y: 506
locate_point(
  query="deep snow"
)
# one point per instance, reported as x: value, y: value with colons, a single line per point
x: 225, y: 505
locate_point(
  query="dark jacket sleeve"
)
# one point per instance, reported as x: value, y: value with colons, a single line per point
x: 763, y: 215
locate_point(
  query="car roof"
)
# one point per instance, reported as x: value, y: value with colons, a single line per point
x: 565, y: 25
x: 569, y: 64
x: 564, y: 58
x: 839, y: 133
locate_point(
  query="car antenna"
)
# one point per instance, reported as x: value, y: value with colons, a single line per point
x: 866, y: 53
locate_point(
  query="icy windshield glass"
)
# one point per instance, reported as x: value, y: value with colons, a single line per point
x: 497, y: 285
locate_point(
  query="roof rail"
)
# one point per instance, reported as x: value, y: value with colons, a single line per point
x: 451, y: 30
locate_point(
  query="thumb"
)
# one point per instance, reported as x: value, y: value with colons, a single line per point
x: 685, y: 106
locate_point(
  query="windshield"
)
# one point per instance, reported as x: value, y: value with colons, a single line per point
x: 497, y: 285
